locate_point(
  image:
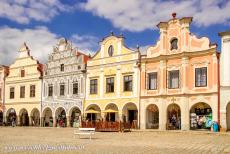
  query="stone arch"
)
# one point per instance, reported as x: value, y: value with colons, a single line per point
x: 228, y: 116
x: 152, y: 116
x: 23, y: 117
x: 113, y: 114
x: 173, y: 117
x: 75, y: 116
x: 11, y: 117
x: 130, y: 114
x: 35, y: 117
x: 93, y: 116
x: 47, y: 116
x: 200, y: 116
x: 61, y: 117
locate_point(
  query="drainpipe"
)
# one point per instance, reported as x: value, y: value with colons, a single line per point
x: 218, y: 67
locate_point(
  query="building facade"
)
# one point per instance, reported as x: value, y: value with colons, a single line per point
x: 3, y: 74
x: 63, y: 86
x: 225, y: 81
x: 179, y: 79
x: 23, y: 90
x: 112, y: 84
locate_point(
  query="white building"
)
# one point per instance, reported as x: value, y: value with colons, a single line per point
x: 225, y: 80
x: 63, y: 86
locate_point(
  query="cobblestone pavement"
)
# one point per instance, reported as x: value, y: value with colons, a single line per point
x: 57, y: 140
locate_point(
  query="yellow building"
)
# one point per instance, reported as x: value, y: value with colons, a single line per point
x: 112, y: 84
x: 23, y: 90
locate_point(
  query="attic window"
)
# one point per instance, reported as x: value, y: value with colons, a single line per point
x: 22, y: 73
x: 174, y: 45
x: 110, y: 50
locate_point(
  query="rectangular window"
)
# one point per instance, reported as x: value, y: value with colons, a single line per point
x: 128, y: 83
x: 93, y: 86
x: 62, y: 67
x: 50, y: 90
x: 62, y: 90
x: 32, y: 90
x: 22, y: 73
x: 22, y: 92
x: 75, y: 88
x: 110, y: 84
x: 201, y: 77
x: 12, y: 93
x: 173, y: 79
x: 152, y: 81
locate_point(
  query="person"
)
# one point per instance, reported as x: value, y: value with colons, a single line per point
x: 174, y: 120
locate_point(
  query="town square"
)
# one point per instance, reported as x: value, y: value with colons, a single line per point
x: 75, y: 79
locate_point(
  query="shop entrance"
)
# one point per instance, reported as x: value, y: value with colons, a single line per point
x: 61, y: 117
x: 200, y: 116
x: 1, y: 118
x: 11, y: 117
x: 228, y: 116
x: 174, y: 117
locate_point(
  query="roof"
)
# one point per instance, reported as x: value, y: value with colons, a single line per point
x: 224, y: 33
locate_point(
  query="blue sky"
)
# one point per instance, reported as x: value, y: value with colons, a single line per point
x: 41, y: 23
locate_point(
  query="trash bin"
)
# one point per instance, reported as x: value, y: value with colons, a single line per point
x: 215, y: 127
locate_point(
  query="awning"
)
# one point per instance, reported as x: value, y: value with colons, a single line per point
x: 92, y: 111
x: 110, y: 111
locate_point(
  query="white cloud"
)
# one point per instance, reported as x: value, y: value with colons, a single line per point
x: 86, y: 43
x: 40, y: 42
x: 136, y: 15
x: 23, y: 11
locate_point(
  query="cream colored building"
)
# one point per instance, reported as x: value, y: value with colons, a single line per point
x: 23, y: 90
x: 225, y: 81
x: 112, y: 83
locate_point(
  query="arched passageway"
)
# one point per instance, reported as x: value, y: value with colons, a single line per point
x: 47, y: 118
x: 200, y: 116
x: 152, y: 117
x: 173, y: 117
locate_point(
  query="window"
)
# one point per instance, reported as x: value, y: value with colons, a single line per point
x: 201, y: 77
x: 110, y: 85
x: 75, y: 88
x: 173, y: 79
x: 0, y: 94
x: 50, y: 90
x: 174, y: 44
x: 22, y: 92
x: 128, y: 83
x: 22, y: 73
x: 62, y: 67
x: 152, y: 81
x: 32, y: 90
x: 93, y: 86
x: 62, y: 90
x: 12, y: 93
x: 110, y: 50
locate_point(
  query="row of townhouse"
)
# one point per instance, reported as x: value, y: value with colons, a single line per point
x: 177, y: 84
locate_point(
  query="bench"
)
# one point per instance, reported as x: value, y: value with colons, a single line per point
x: 85, y: 131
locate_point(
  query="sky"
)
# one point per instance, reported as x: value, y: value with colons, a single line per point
x: 41, y: 23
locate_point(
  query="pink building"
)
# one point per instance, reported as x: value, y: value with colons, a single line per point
x: 179, y: 79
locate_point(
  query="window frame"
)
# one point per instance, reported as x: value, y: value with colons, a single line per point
x: 32, y: 90
x: 12, y: 93
x: 93, y: 86
x: 148, y: 81
x: 76, y: 88
x: 62, y: 89
x: 62, y: 67
x: 206, y: 77
x: 22, y: 91
x: 50, y: 90
x: 169, y: 79
x: 129, y: 81
x: 110, y: 85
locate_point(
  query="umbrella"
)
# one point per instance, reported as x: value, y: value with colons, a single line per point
x: 92, y: 111
x: 110, y: 111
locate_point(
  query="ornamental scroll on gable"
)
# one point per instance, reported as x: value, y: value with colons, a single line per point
x: 175, y: 37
